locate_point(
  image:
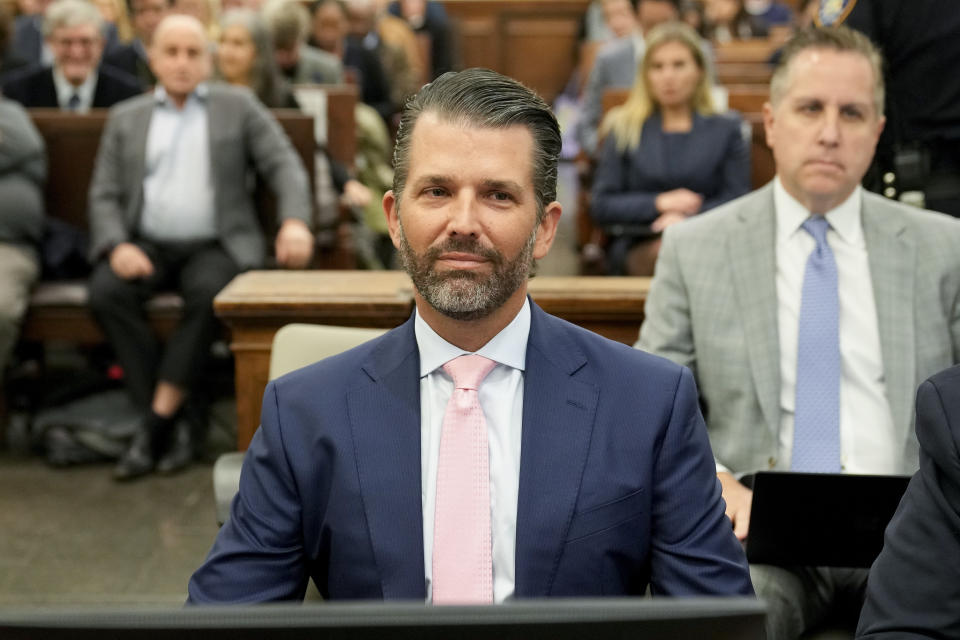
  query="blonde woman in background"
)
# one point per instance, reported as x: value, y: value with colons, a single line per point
x: 666, y: 154
x: 115, y: 12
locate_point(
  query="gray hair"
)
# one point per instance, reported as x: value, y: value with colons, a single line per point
x: 839, y: 38
x: 485, y: 98
x: 266, y: 80
x: 288, y: 22
x: 71, y: 13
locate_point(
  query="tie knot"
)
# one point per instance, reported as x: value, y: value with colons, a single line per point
x: 469, y: 371
x: 817, y: 227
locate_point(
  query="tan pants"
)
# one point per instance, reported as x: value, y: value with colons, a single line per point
x: 18, y: 271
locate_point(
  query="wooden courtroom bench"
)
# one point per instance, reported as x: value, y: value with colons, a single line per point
x: 58, y: 310
x: 257, y: 303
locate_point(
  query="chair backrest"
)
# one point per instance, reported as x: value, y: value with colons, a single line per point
x: 297, y: 345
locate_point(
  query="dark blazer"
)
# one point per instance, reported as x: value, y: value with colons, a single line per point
x: 27, y: 41
x: 712, y: 159
x: 131, y: 59
x: 618, y: 485
x: 914, y: 585
x: 35, y: 88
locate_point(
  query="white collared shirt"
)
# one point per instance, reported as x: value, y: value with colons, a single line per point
x: 501, y: 398
x: 178, y: 193
x: 869, y: 443
x: 65, y: 91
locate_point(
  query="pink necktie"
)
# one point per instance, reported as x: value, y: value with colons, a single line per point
x: 462, y: 562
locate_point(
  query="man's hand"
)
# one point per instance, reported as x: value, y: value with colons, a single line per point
x: 682, y: 200
x: 129, y: 262
x: 294, y: 245
x: 355, y: 194
x: 738, y: 499
x: 664, y: 220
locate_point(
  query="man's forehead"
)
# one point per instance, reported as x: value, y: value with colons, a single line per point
x: 822, y: 65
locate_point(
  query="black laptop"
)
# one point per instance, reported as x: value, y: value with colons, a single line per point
x: 820, y: 519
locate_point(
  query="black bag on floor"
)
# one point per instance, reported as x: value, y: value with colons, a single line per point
x: 96, y: 428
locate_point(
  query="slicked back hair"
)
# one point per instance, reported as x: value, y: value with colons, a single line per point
x: 484, y: 98
x: 841, y: 39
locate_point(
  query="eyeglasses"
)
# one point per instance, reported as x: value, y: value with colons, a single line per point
x: 66, y: 43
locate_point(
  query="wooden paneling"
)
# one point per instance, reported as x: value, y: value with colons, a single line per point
x: 534, y: 41
x: 257, y: 303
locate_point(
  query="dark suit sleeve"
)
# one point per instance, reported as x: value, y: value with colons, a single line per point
x: 259, y: 553
x: 694, y: 550
x: 611, y: 202
x: 277, y: 162
x: 733, y: 174
x: 914, y: 585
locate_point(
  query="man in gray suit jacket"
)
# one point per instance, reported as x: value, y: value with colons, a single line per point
x: 170, y: 208
x: 726, y: 301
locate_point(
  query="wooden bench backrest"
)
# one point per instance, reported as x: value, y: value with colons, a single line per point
x: 72, y: 142
x: 734, y: 73
x: 341, y: 129
x: 753, y: 50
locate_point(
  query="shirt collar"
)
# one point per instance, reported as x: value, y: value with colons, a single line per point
x: 844, y: 219
x: 509, y: 347
x: 65, y: 90
x: 200, y: 93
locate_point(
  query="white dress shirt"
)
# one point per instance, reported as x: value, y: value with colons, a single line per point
x: 65, y: 91
x: 868, y: 441
x: 501, y: 398
x: 178, y: 194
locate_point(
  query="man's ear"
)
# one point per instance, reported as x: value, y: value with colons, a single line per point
x: 547, y: 229
x: 391, y: 210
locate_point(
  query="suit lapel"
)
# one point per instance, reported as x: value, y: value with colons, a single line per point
x: 385, y: 422
x: 892, y: 257
x: 558, y: 416
x: 751, y: 250
x: 49, y: 90
x: 136, y: 157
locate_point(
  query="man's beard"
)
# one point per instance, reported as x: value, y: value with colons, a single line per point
x: 463, y: 294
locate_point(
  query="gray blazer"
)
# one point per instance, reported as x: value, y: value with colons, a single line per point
x: 242, y: 132
x: 713, y: 307
x: 614, y: 68
x: 317, y: 66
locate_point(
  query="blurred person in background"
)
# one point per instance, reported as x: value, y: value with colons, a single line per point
x: 76, y: 82
x: 429, y: 17
x: 206, y: 11
x: 330, y: 32
x: 170, y: 208
x: 289, y: 24
x: 728, y: 20
x: 616, y: 65
x: 23, y: 172
x: 245, y: 58
x: 399, y: 56
x: 666, y: 154
x: 132, y: 57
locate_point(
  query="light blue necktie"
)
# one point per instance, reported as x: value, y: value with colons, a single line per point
x: 816, y: 435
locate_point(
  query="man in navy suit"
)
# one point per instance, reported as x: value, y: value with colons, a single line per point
x: 73, y: 31
x: 601, y: 477
x: 914, y: 585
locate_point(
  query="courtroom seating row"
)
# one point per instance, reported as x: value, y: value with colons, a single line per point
x: 58, y: 309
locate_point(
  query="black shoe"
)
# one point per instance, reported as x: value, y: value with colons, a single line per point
x: 179, y: 453
x: 137, y: 460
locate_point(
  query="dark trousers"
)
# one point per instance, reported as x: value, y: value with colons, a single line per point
x: 197, y: 271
